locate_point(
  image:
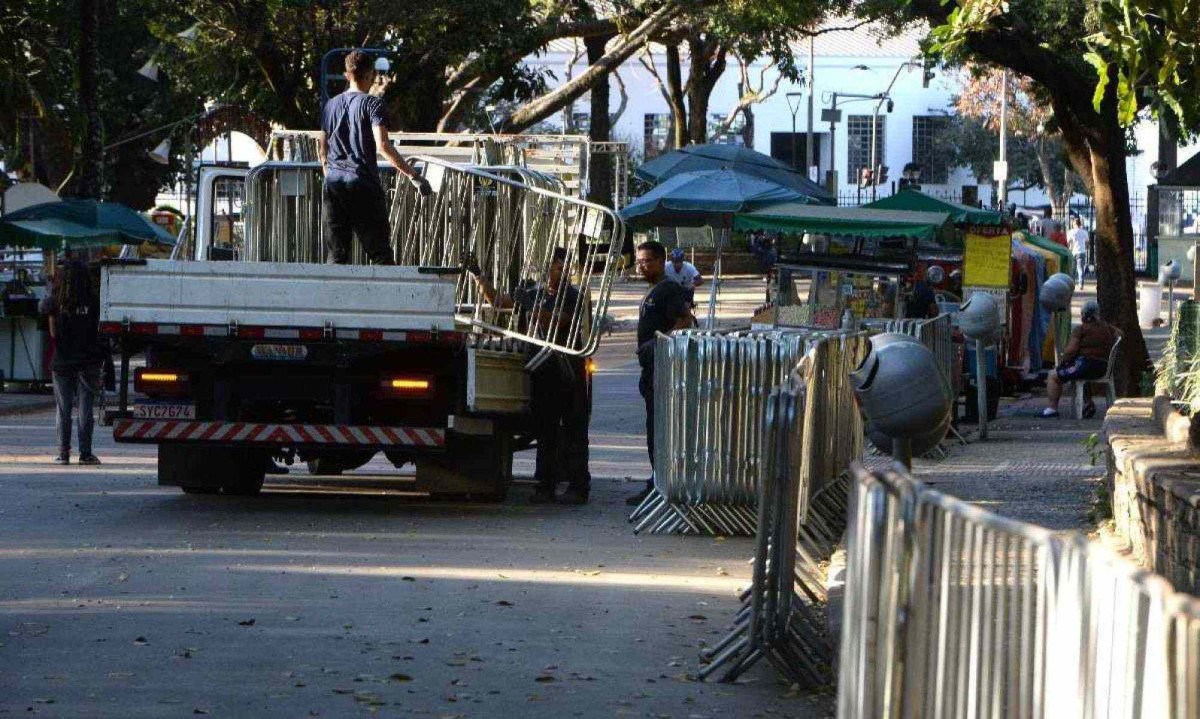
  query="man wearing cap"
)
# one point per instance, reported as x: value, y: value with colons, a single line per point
x: 684, y: 274
x: 353, y: 129
x: 1085, y: 358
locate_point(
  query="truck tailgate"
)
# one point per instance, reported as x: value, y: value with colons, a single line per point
x: 277, y: 295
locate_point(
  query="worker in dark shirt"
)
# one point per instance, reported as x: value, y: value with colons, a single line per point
x: 353, y: 129
x: 559, y: 401
x: 664, y: 309
x: 923, y: 302
x: 73, y: 307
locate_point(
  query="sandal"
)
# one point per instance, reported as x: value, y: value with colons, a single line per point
x: 1049, y: 412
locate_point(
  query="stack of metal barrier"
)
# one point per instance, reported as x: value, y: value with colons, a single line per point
x: 953, y: 611
x: 711, y: 390
x: 510, y: 219
x: 811, y: 432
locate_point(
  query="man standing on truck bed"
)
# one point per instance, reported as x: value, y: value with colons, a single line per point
x: 665, y: 308
x: 353, y: 125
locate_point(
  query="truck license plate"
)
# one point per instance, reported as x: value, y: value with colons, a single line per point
x: 290, y: 353
x: 164, y: 411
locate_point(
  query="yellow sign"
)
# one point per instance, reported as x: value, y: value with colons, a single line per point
x: 987, y: 260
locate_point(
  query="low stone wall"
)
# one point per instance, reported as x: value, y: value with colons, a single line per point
x: 1154, y: 481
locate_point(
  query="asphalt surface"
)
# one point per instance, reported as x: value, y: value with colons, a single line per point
x: 119, y: 598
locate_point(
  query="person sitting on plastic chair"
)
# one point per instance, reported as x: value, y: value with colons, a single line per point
x: 1086, y: 358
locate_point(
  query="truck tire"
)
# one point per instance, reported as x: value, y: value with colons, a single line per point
x: 233, y: 471
x: 474, y: 468
x: 192, y: 489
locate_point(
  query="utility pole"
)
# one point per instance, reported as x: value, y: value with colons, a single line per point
x: 1003, y: 189
x: 809, y: 159
x: 795, y: 108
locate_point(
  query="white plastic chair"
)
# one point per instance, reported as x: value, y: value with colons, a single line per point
x: 1110, y: 385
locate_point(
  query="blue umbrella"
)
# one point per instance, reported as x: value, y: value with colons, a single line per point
x: 695, y: 158
x: 711, y: 197
x: 78, y: 223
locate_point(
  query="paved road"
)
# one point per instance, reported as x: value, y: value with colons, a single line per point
x: 119, y: 598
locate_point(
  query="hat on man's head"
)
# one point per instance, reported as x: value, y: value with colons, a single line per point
x: 1091, y: 308
x: 676, y: 254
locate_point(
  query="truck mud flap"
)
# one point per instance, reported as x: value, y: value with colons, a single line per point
x: 280, y: 435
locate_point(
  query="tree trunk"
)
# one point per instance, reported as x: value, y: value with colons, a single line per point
x: 707, y: 64
x: 1097, y: 152
x: 91, y: 145
x: 679, y: 118
x: 539, y: 109
x: 600, y: 172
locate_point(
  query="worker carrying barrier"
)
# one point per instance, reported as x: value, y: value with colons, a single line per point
x: 711, y: 390
x: 811, y: 431
x: 516, y: 223
x: 952, y: 611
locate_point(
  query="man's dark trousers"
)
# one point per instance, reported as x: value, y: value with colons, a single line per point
x: 352, y: 207
x: 646, y: 388
x: 561, y: 415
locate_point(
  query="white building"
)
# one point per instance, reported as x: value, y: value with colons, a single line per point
x: 847, y: 62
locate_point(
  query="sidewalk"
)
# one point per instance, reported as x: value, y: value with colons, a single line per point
x: 1029, y: 468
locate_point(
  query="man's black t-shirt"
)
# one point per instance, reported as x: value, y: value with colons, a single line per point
x: 347, y: 120
x: 918, y: 305
x: 662, y: 307
x: 76, y: 333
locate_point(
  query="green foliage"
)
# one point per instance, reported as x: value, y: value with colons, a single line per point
x: 1151, y: 47
x: 38, y: 42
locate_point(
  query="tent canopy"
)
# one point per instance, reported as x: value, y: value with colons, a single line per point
x: 916, y: 201
x: 711, y: 197
x: 1066, y: 259
x: 695, y: 158
x: 78, y: 223
x: 857, y: 221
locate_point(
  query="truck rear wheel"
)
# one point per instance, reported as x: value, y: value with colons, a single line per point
x: 210, y: 470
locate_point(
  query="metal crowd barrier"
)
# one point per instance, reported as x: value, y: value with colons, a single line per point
x: 711, y: 390
x: 951, y: 611
x: 511, y: 219
x: 812, y: 431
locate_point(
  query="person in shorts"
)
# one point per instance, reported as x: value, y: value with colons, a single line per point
x: 1086, y: 358
x: 353, y: 130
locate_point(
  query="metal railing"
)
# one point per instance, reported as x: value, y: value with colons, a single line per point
x: 951, y: 611
x: 711, y: 391
x: 511, y: 219
x: 811, y: 431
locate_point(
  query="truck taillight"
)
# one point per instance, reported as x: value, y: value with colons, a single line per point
x: 407, y: 386
x: 157, y: 381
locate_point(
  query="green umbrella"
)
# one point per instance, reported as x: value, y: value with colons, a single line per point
x: 78, y: 223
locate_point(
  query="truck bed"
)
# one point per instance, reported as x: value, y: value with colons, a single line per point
x: 264, y: 294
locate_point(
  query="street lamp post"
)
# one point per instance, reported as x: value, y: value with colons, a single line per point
x: 795, y: 108
x: 886, y: 95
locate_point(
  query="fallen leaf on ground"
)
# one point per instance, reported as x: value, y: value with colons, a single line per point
x: 246, y: 623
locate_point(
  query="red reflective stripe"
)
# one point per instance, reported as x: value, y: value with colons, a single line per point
x: 144, y: 329
x: 311, y: 334
x: 251, y: 333
x: 110, y: 328
x: 191, y: 330
x: 141, y: 431
x: 419, y: 337
x: 370, y: 335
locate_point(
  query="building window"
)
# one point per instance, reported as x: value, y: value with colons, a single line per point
x: 731, y: 136
x: 926, y: 131
x: 581, y: 122
x: 858, y: 141
x: 656, y: 135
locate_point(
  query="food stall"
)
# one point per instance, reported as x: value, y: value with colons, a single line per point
x: 838, y: 259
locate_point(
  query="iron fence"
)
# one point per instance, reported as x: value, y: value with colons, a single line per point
x: 710, y: 393
x: 951, y: 611
x: 812, y: 429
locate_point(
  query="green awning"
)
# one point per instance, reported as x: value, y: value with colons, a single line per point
x: 1066, y: 259
x: 914, y: 201
x: 851, y: 221
x: 55, y: 234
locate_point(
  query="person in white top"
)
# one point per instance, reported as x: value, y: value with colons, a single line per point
x: 1077, y: 242
x: 684, y: 273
